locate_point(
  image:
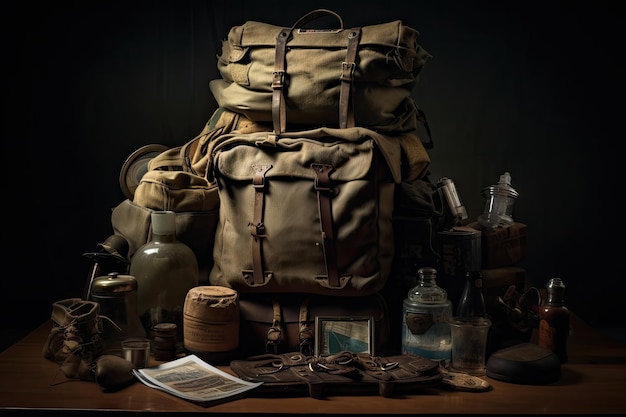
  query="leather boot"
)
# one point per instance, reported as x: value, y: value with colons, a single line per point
x: 75, y: 340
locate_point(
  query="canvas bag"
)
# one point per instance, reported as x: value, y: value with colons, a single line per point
x: 176, y: 180
x: 306, y: 211
x: 361, y: 76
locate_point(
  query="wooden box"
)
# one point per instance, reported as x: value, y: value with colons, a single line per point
x: 503, y: 246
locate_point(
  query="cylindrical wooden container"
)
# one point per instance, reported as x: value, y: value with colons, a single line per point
x: 164, y: 343
x: 211, y: 319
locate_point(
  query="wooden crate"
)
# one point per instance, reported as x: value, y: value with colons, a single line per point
x: 503, y: 246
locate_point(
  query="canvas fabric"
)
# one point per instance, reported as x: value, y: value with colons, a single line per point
x: 307, y: 211
x: 322, y: 76
x: 176, y: 180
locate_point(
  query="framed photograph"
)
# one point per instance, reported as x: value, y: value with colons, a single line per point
x: 336, y: 334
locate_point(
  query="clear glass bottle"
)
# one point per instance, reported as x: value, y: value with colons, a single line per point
x: 472, y: 301
x: 426, y: 313
x: 554, y: 320
x: 165, y: 270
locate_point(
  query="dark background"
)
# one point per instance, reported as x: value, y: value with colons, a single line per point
x: 533, y: 88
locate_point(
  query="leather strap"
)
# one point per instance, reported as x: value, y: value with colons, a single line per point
x: 257, y: 227
x: 346, y: 109
x: 324, y: 193
x: 306, y: 333
x: 272, y: 338
x: 279, y: 108
x: 279, y: 111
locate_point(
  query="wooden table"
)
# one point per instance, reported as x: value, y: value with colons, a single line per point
x: 592, y: 382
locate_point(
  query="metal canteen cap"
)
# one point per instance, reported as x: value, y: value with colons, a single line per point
x: 114, y: 284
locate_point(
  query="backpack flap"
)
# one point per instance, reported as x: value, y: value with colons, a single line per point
x: 312, y: 216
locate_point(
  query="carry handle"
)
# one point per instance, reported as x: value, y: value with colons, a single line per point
x: 316, y: 14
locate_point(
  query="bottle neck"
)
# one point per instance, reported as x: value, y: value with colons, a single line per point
x: 427, y: 291
x: 427, y: 282
x: 163, y: 238
x: 472, y: 302
x: 475, y: 277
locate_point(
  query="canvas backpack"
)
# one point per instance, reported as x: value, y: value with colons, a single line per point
x: 308, y: 211
x: 330, y: 76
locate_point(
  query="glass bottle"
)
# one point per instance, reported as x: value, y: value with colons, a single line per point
x: 554, y: 320
x: 427, y: 312
x: 165, y: 269
x: 472, y: 301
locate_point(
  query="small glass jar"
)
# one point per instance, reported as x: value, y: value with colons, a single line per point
x: 426, y: 313
x: 501, y: 198
x: 117, y: 296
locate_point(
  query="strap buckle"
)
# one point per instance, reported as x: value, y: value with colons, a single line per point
x: 271, y: 340
x: 278, y: 80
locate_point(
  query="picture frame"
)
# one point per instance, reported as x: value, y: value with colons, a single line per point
x: 338, y: 334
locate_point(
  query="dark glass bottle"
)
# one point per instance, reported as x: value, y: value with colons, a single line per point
x: 554, y: 320
x: 472, y: 301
